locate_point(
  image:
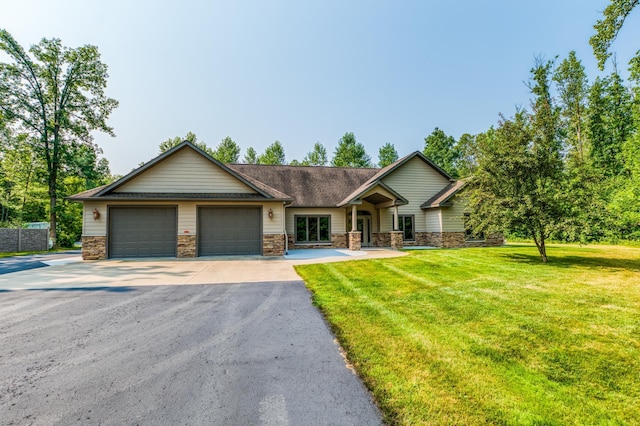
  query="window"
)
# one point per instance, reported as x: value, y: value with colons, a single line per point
x: 406, y: 226
x: 469, y: 233
x: 313, y: 229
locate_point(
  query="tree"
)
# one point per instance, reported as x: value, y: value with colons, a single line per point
x: 607, y: 28
x: 350, y: 153
x: 273, y: 154
x: 55, y: 95
x: 609, y: 123
x: 442, y: 150
x: 227, y: 152
x: 317, y: 157
x: 251, y: 156
x: 387, y: 155
x: 518, y: 185
x: 467, y: 161
x: 190, y: 137
x: 572, y: 85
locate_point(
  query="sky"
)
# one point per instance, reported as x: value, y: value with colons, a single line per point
x: 309, y: 71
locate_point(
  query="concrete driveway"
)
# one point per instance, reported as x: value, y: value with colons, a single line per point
x: 154, y: 342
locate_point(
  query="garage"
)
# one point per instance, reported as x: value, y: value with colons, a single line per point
x: 142, y: 231
x: 229, y: 230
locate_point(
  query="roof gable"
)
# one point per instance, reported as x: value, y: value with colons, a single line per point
x: 383, y: 173
x: 187, y: 169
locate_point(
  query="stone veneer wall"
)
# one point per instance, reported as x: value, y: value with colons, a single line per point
x: 187, y: 245
x: 94, y: 248
x: 338, y: 240
x: 28, y: 240
x: 396, y: 239
x: 273, y: 244
x: 381, y: 239
x: 355, y: 240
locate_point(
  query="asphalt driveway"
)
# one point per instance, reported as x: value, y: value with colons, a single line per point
x: 255, y: 353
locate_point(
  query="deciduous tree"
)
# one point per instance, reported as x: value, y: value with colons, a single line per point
x: 273, y: 154
x: 316, y: 157
x: 387, y: 155
x: 350, y: 153
x: 227, y: 151
x: 251, y: 156
x: 442, y: 150
x: 608, y: 27
x: 518, y: 185
x: 55, y: 95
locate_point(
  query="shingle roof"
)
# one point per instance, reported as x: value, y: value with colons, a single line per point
x: 442, y: 197
x: 309, y: 186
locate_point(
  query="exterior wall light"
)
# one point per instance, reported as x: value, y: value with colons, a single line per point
x: 270, y: 213
x: 96, y: 214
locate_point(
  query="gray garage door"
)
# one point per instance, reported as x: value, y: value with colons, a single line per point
x: 142, y: 232
x: 229, y: 230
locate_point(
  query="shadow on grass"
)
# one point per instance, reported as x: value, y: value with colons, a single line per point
x: 576, y: 261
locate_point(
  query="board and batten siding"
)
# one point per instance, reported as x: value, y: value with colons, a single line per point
x: 187, y: 215
x: 338, y: 217
x: 185, y: 171
x: 453, y: 217
x: 417, y: 182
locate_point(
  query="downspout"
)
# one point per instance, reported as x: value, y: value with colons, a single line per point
x: 284, y: 228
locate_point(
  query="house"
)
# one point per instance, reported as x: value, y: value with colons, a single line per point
x: 184, y: 203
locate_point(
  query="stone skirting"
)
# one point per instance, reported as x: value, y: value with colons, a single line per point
x: 273, y: 244
x: 381, y: 239
x: 435, y: 239
x: 187, y: 245
x: 396, y: 239
x: 94, y: 248
x: 338, y: 241
x: 355, y: 240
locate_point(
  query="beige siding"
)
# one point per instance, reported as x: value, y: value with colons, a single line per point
x: 185, y: 171
x: 417, y: 182
x: 434, y: 220
x: 453, y: 217
x: 91, y: 227
x: 187, y: 215
x: 338, y: 218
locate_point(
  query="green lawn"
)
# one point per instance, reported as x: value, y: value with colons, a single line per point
x: 491, y: 335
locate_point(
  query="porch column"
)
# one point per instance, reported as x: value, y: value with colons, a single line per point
x: 355, y: 239
x: 354, y: 218
x: 396, y: 222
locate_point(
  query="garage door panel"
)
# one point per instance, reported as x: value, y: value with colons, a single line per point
x: 142, y: 232
x: 229, y: 230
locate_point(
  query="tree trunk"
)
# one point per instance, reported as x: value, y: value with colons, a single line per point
x: 540, y: 245
x: 53, y: 201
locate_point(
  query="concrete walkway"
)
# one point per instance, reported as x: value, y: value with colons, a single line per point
x: 74, y: 273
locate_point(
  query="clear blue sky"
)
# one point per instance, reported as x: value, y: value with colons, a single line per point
x: 307, y: 71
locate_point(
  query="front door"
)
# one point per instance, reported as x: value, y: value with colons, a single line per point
x: 364, y: 226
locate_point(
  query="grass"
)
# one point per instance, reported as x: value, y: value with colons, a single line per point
x: 26, y: 253
x: 491, y: 335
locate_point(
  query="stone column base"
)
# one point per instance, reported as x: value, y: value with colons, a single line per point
x: 396, y: 240
x: 355, y: 240
x: 187, y: 245
x: 273, y: 245
x: 94, y: 248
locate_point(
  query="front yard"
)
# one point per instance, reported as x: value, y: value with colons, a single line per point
x: 477, y: 336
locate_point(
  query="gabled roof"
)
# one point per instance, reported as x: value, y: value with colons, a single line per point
x: 309, y: 186
x: 376, y: 179
x: 441, y: 199
x: 107, y: 191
